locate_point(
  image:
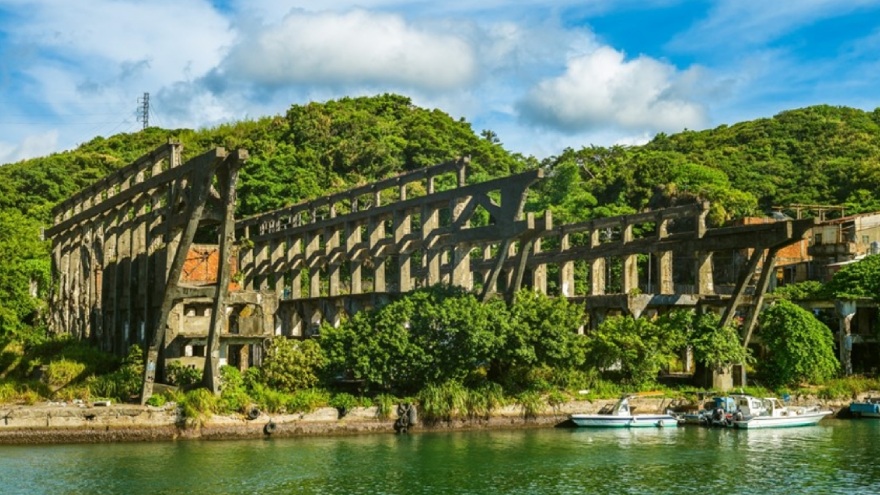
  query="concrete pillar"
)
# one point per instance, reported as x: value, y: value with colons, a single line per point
x: 277, y: 265
x: 124, y: 269
x: 109, y: 296
x: 376, y: 230
x: 402, y: 225
x: 664, y: 261
x: 333, y: 261
x: 597, y: 268
x: 246, y: 255
x: 566, y: 269
x: 352, y: 244
x: 703, y: 261
x: 539, y: 272
x: 630, y: 265
x: 313, y: 262
x: 846, y: 310
x: 296, y: 264
x: 261, y: 266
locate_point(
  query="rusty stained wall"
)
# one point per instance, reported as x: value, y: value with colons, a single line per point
x: 202, y: 264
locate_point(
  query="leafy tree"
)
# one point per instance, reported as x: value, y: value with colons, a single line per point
x: 810, y: 289
x: 456, y: 333
x: 375, y: 347
x: 543, y: 333
x: 800, y: 348
x: 292, y: 365
x: 715, y: 346
x: 860, y: 279
x: 24, y: 273
x: 635, y: 349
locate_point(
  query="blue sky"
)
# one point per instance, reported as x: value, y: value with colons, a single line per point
x: 544, y: 75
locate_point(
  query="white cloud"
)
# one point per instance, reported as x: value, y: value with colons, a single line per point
x: 30, y: 146
x: 353, y: 48
x: 602, y: 89
x: 736, y: 24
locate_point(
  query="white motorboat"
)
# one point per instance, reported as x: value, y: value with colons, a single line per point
x: 770, y: 412
x: 621, y: 417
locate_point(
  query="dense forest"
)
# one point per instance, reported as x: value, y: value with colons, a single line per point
x: 817, y: 155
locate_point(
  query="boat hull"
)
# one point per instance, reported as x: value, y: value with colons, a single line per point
x: 636, y: 421
x: 805, y: 419
x: 865, y: 409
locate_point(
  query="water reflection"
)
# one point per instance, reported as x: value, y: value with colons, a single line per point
x: 834, y: 458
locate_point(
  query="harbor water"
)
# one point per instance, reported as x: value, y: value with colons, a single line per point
x: 837, y: 456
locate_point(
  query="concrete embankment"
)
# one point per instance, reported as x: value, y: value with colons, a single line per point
x: 83, y: 423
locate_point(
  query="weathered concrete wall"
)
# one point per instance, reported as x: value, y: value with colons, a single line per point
x: 123, y: 423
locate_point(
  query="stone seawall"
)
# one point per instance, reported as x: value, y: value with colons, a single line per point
x: 89, y: 423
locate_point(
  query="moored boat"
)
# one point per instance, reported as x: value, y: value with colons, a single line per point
x: 622, y: 417
x: 868, y: 408
x: 719, y: 412
x: 769, y: 412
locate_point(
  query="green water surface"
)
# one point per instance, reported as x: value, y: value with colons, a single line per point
x: 836, y: 456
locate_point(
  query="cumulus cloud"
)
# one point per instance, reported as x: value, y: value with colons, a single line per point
x: 601, y: 88
x: 355, y: 47
x: 32, y: 145
x: 352, y: 48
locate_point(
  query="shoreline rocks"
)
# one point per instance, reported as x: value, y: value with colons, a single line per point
x: 52, y: 423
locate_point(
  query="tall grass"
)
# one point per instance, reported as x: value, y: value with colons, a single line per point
x: 443, y: 402
x: 197, y: 406
x: 532, y: 403
x: 384, y: 405
x: 848, y: 388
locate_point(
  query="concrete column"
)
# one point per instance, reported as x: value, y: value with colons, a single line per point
x: 140, y: 250
x: 313, y: 262
x: 377, y: 235
x: 261, y: 266
x: 630, y: 265
x: 402, y: 225
x: 597, y: 268
x: 566, y: 269
x: 846, y: 310
x: 539, y: 273
x: 246, y: 255
x: 109, y: 296
x: 461, y: 253
x: 124, y: 269
x: 278, y: 265
x: 355, y: 266
x: 664, y: 261
x: 296, y: 265
x: 703, y: 261
x: 333, y: 261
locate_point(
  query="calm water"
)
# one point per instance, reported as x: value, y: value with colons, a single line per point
x: 834, y: 457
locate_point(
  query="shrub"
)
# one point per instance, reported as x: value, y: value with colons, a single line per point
x: 384, y: 405
x: 443, y: 402
x: 198, y: 405
x: 63, y: 372
x: 292, y: 365
x: 182, y: 375
x: 531, y: 403
x: 343, y: 402
x: 306, y: 401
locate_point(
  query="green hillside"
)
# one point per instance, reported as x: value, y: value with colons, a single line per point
x: 817, y: 155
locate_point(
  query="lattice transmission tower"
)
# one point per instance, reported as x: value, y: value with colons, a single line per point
x: 144, y: 115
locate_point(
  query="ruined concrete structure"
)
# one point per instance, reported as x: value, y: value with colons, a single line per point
x: 128, y: 270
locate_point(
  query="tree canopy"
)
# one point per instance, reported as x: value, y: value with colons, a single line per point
x: 800, y: 347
